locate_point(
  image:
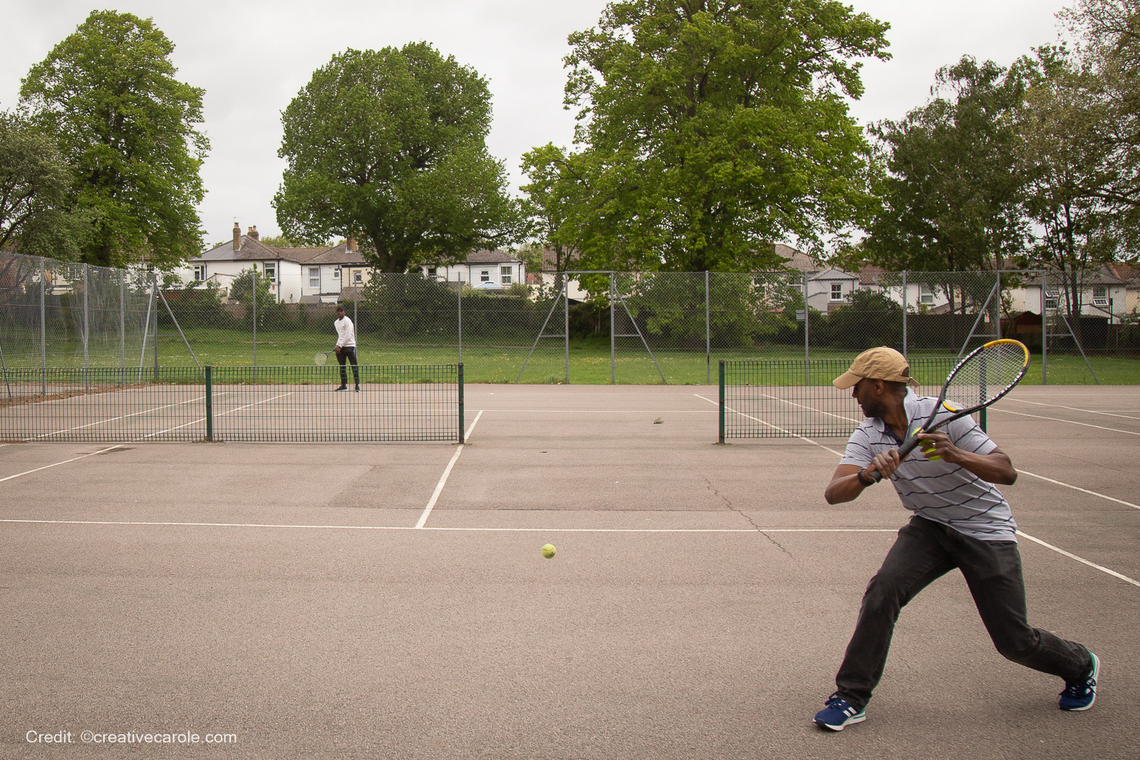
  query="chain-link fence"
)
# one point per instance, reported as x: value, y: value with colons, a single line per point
x: 580, y: 327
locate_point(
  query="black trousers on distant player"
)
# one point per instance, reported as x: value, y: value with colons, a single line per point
x: 348, y: 354
x: 925, y: 551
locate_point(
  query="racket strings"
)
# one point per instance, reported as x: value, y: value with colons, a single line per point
x: 986, y: 375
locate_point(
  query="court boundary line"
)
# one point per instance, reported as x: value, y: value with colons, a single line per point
x: 449, y: 529
x: 757, y: 531
x: 447, y: 472
x: 1071, y: 408
x: 769, y: 424
x: 1082, y: 560
x: 1078, y: 488
x: 57, y: 464
x: 1067, y: 422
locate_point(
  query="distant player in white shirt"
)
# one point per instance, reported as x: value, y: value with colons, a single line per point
x: 346, y: 348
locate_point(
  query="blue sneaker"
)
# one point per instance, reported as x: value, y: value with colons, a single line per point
x: 838, y: 714
x: 1080, y: 695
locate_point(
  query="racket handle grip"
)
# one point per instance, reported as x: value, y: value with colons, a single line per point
x: 909, y: 445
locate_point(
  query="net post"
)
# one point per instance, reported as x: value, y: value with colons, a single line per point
x: 459, y: 376
x: 721, y: 405
x: 209, y: 403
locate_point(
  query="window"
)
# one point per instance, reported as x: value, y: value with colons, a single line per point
x: 837, y: 291
x: 314, y: 277
x: 505, y: 275
x: 357, y: 277
x: 1050, y: 299
x: 199, y: 272
x: 484, y: 275
x: 925, y: 294
x: 1100, y: 295
x: 336, y: 273
x: 271, y: 273
x: 432, y: 272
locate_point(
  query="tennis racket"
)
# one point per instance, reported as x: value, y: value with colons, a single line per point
x: 987, y: 374
x: 320, y: 357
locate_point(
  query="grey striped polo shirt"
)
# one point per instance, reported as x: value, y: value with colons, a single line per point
x: 936, y: 490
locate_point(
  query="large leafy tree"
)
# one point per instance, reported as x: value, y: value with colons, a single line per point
x: 951, y: 187
x: 108, y: 96
x: 552, y: 199
x: 34, y: 182
x: 1069, y: 171
x: 389, y: 146
x: 1107, y: 33
x: 709, y: 128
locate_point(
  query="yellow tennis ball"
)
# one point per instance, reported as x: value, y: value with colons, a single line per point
x: 548, y: 551
x: 928, y: 452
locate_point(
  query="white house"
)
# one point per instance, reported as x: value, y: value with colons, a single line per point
x: 828, y: 288
x: 305, y: 275
x: 1102, y: 294
x: 495, y: 270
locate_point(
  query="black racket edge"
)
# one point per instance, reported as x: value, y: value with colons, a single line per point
x: 911, y: 443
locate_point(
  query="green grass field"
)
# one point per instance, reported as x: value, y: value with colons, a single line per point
x: 589, y: 361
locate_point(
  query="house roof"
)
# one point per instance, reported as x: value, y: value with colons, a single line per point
x: 1102, y: 276
x: 1127, y: 273
x: 870, y: 275
x: 252, y: 249
x: 797, y: 260
x: 484, y: 256
x: 338, y: 254
x: 831, y: 273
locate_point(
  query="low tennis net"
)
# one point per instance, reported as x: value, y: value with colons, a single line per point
x: 256, y: 404
x: 790, y: 398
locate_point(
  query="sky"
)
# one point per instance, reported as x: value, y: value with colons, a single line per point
x: 253, y: 56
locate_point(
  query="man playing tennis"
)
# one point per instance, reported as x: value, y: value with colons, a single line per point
x: 960, y: 520
x: 346, y: 348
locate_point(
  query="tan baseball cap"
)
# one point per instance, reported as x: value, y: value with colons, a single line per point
x: 880, y: 363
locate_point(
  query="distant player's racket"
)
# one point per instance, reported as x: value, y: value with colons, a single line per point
x: 321, y: 357
x: 987, y: 374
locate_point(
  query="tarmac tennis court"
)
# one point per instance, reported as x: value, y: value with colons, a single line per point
x: 248, y: 600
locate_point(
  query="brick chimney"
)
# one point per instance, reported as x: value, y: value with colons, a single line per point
x: 351, y: 244
x: 253, y: 233
x: 237, y: 237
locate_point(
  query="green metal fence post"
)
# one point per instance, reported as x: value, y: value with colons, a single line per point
x: 722, y: 401
x: 43, y: 331
x: 209, y: 403
x: 461, y: 434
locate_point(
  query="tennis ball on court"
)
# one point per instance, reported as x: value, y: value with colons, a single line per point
x: 548, y: 551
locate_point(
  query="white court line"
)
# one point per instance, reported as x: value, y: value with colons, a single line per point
x: 1080, y: 559
x: 1070, y: 422
x: 547, y: 531
x: 1073, y: 408
x: 223, y: 414
x: 774, y: 427
x: 116, y: 419
x: 57, y: 464
x: 293, y: 526
x: 447, y: 472
x: 150, y: 411
x: 1078, y: 488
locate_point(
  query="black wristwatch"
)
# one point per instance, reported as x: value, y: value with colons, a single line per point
x: 868, y: 481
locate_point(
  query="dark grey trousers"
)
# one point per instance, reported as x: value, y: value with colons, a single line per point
x: 925, y: 551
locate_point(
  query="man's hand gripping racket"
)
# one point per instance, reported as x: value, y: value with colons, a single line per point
x: 987, y: 374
